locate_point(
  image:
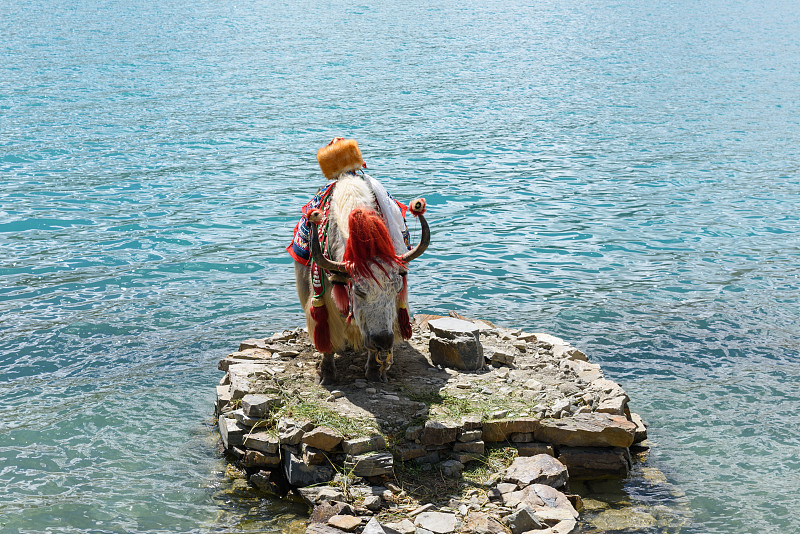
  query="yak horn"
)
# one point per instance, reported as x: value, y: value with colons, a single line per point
x: 424, y: 241
x: 319, y: 258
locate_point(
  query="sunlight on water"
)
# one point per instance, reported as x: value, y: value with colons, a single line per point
x: 622, y: 175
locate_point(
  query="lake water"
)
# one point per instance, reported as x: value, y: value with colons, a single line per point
x: 625, y: 175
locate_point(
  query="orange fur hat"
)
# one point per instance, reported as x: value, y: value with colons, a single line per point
x: 338, y: 156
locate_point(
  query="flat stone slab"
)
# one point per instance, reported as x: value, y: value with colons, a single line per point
x: 501, y: 430
x: 589, y: 462
x: 539, y: 469
x: 451, y: 328
x: 437, y: 522
x: 371, y: 464
x: 588, y: 430
x: 322, y: 438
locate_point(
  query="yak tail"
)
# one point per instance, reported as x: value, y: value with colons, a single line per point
x: 322, y: 331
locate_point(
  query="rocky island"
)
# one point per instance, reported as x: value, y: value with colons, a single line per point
x: 480, y: 429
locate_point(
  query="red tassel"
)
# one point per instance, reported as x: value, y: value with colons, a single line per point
x: 405, y: 322
x: 322, y: 332
x: 403, y: 296
x: 341, y: 298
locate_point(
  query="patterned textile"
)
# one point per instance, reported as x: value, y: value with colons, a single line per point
x: 300, y: 248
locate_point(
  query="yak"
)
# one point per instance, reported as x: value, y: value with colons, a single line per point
x: 359, y: 297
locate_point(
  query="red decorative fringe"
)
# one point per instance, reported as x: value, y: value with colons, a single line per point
x: 405, y: 323
x: 403, y: 296
x: 341, y: 298
x: 369, y: 241
x: 322, y: 332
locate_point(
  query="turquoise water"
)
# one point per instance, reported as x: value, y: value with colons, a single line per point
x: 626, y: 176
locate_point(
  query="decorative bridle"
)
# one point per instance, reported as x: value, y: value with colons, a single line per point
x: 339, y: 274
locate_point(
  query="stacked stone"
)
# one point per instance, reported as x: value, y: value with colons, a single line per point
x: 570, y: 416
x: 525, y: 498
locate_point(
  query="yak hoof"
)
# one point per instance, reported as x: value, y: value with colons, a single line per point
x: 326, y: 371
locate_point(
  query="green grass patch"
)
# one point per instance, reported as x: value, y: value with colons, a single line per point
x: 496, y: 460
x: 445, y: 405
x: 317, y: 410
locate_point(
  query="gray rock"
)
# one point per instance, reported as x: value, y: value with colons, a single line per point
x: 312, y: 456
x: 501, y: 430
x: 248, y: 378
x: 348, y: 523
x: 548, y: 341
x: 507, y: 487
x: 323, y: 494
x: 258, y: 406
x: 373, y: 527
x: 534, y: 448
x: 553, y: 516
x: 322, y: 528
x: 502, y: 358
x: 533, y: 384
x: 540, y: 469
x: 595, y: 462
x: 471, y: 422
x: 641, y: 428
x: 470, y: 435
x: 451, y: 328
x: 362, y: 445
x: 248, y: 421
x: 326, y: 507
x: 254, y: 343
x: 300, y: 475
x: 261, y: 441
x: 523, y: 520
x: 566, y: 351
x: 409, y: 451
x: 402, y: 527
x: 231, y: 432
x: 465, y: 353
x: 482, y: 523
x: 613, y: 405
x: 587, y: 430
x: 474, y: 447
x: 452, y: 468
x: 372, y: 502
x: 569, y: 388
x: 424, y: 508
x: 438, y: 433
x: 322, y: 438
x: 370, y: 464
x: 291, y: 436
x: 413, y: 432
x: 259, y: 459
x: 265, y: 481
x: 521, y: 437
x: 560, y: 405
x: 223, y: 397
x: 437, y: 522
x: 465, y: 457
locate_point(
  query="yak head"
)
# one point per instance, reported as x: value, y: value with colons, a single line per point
x: 373, y: 273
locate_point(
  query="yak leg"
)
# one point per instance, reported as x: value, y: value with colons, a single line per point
x: 377, y: 367
x: 326, y: 370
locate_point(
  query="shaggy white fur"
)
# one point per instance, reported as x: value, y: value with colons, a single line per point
x: 350, y: 192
